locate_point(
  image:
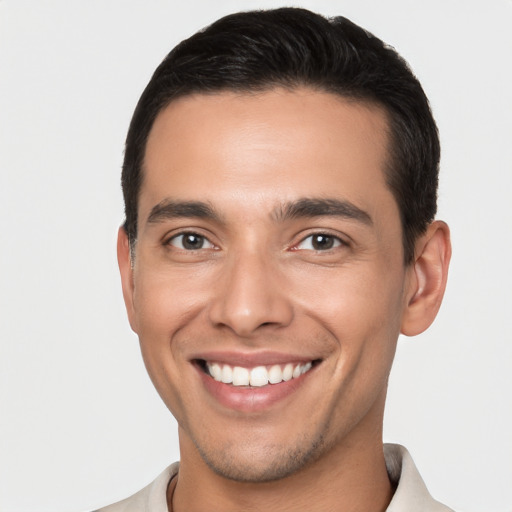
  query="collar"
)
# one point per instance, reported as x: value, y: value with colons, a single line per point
x: 411, y: 492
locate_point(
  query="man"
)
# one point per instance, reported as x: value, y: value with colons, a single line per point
x: 280, y: 183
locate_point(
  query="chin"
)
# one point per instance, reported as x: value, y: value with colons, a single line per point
x: 262, y: 464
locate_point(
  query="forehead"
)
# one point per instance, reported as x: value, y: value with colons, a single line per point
x: 268, y: 147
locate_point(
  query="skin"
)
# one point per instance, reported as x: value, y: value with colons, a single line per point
x: 259, y: 284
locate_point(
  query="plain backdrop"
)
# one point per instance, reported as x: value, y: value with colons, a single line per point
x: 80, y: 423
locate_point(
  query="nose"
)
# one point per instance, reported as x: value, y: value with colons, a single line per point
x: 251, y: 294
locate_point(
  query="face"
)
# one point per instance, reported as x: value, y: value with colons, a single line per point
x: 268, y: 285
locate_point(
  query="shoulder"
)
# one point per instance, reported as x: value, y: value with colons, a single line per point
x: 152, y: 498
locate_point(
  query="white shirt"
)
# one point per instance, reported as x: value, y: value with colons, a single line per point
x: 411, y: 494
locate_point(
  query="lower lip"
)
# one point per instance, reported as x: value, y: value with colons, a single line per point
x: 251, y: 399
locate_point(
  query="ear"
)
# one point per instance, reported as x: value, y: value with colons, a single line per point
x: 429, y: 274
x: 124, y: 260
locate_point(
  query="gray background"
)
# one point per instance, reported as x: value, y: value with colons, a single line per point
x: 80, y: 424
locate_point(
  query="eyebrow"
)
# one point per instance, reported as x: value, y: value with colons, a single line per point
x: 170, y: 209
x: 321, y: 207
x: 302, y: 208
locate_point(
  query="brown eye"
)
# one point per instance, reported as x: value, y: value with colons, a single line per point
x: 320, y: 242
x: 190, y: 242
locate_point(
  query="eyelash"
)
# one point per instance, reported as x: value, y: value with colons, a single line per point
x: 184, y: 234
x: 333, y: 242
x: 334, y: 239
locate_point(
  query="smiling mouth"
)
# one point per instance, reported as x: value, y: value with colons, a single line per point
x: 258, y: 376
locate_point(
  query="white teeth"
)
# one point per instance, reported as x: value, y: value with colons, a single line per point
x: 306, y: 367
x: 288, y: 372
x: 257, y: 376
x: 215, y: 371
x: 227, y: 374
x: 240, y: 376
x: 275, y: 374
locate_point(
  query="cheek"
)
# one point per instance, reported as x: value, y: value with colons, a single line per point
x: 165, y: 304
x: 165, y: 301
x: 361, y: 311
x: 353, y: 302
x: 369, y: 328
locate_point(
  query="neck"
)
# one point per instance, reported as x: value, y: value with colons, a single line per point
x: 350, y: 476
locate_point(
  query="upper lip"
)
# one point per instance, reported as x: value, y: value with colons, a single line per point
x: 251, y: 359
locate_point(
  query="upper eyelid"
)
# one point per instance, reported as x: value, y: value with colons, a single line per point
x: 174, y: 233
x: 297, y: 239
x: 344, y: 239
x: 167, y: 242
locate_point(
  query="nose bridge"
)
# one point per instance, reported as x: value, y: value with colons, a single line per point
x: 250, y: 293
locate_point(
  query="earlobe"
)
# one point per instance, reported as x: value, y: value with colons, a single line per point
x: 428, y: 279
x: 126, y: 270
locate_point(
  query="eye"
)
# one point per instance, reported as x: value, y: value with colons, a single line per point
x: 320, y: 242
x: 190, y: 242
